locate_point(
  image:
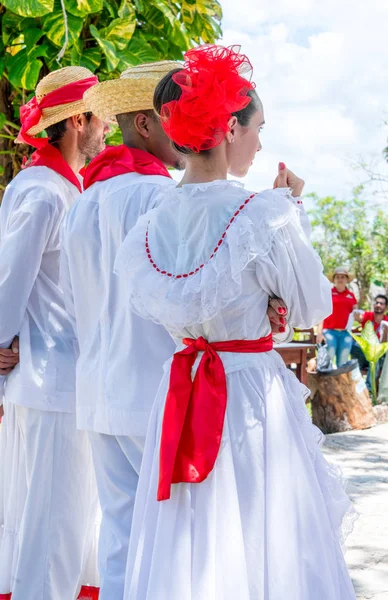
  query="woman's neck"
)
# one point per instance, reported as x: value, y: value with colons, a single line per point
x: 205, y: 168
x: 341, y: 288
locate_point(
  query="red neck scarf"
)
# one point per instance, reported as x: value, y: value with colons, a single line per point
x: 50, y: 157
x: 118, y: 160
x: 31, y: 113
x: 194, y: 413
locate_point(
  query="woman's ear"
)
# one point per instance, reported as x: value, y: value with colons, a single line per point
x: 232, y: 130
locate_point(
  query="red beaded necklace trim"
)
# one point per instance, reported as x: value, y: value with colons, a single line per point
x: 219, y: 243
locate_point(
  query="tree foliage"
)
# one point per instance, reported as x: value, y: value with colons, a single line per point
x: 347, y: 232
x: 106, y: 36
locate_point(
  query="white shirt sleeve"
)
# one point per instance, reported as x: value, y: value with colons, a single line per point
x: 65, y: 278
x: 21, y: 249
x: 303, y: 217
x: 3, y: 379
x: 293, y: 271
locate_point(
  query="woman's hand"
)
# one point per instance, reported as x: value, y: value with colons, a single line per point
x: 277, y: 314
x: 9, y: 357
x: 287, y: 178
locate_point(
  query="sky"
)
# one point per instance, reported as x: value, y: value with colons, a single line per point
x: 321, y: 70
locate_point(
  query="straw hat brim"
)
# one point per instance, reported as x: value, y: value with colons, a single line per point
x: 56, y: 114
x: 350, y: 276
x: 117, y: 96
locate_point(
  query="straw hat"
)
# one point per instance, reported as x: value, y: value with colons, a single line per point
x: 341, y: 271
x: 133, y: 91
x: 52, y: 82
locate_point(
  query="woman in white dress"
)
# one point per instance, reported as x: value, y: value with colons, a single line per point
x: 235, y: 500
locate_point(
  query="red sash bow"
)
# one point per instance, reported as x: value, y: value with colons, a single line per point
x: 194, y: 413
x: 31, y: 112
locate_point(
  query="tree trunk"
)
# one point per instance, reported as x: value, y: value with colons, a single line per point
x: 6, y: 163
x: 340, y: 402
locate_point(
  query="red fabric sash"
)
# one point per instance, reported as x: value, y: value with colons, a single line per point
x: 30, y: 113
x: 118, y: 160
x: 89, y: 593
x: 194, y: 414
x: 50, y: 157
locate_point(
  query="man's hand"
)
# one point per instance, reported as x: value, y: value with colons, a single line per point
x: 1, y: 411
x: 9, y: 357
x: 277, y: 314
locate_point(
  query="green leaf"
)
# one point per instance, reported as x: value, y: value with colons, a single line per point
x: 109, y: 6
x: 22, y: 71
x: 179, y: 36
x: 32, y: 36
x: 91, y: 59
x: 3, y: 119
x: 114, y: 137
x: 54, y: 27
x: 126, y: 9
x: 108, y: 48
x: 30, y: 8
x: 139, y: 5
x: 165, y: 9
x: 83, y: 8
x: 154, y: 17
x: 370, y: 344
x: 42, y: 50
x: 138, y: 52
x: 119, y: 31
x: 11, y: 27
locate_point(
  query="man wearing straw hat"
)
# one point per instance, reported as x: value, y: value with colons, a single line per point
x: 120, y: 356
x: 52, y: 504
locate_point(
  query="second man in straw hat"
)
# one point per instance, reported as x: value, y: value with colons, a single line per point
x: 120, y: 355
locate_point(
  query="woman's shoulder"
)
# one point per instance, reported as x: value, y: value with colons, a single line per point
x: 272, y: 207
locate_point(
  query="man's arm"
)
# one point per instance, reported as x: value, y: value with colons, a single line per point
x: 21, y: 250
x: 358, y: 315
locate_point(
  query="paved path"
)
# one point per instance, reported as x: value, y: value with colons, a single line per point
x: 363, y: 457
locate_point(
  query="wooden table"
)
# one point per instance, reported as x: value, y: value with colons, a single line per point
x: 298, y: 354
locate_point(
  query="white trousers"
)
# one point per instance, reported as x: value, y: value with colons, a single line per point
x: 117, y: 461
x: 60, y: 509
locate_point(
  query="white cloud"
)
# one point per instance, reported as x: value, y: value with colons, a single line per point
x: 321, y: 70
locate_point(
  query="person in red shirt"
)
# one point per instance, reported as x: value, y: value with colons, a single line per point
x: 379, y: 319
x: 334, y: 328
x: 377, y: 316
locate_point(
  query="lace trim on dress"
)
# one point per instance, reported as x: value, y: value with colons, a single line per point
x: 181, y: 301
x: 218, y: 245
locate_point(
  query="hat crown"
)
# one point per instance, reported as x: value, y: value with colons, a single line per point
x: 59, y: 78
x: 152, y: 70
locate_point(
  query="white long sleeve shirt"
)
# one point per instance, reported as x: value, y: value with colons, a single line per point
x: 121, y: 356
x: 31, y: 301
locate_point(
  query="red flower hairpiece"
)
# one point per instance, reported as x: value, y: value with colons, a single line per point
x: 212, y: 89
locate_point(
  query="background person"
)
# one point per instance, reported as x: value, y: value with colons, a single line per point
x: 379, y: 318
x: 334, y: 328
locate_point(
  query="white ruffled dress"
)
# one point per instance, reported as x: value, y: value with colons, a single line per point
x: 267, y: 524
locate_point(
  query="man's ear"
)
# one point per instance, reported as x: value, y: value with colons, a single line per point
x: 77, y: 122
x: 141, y: 123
